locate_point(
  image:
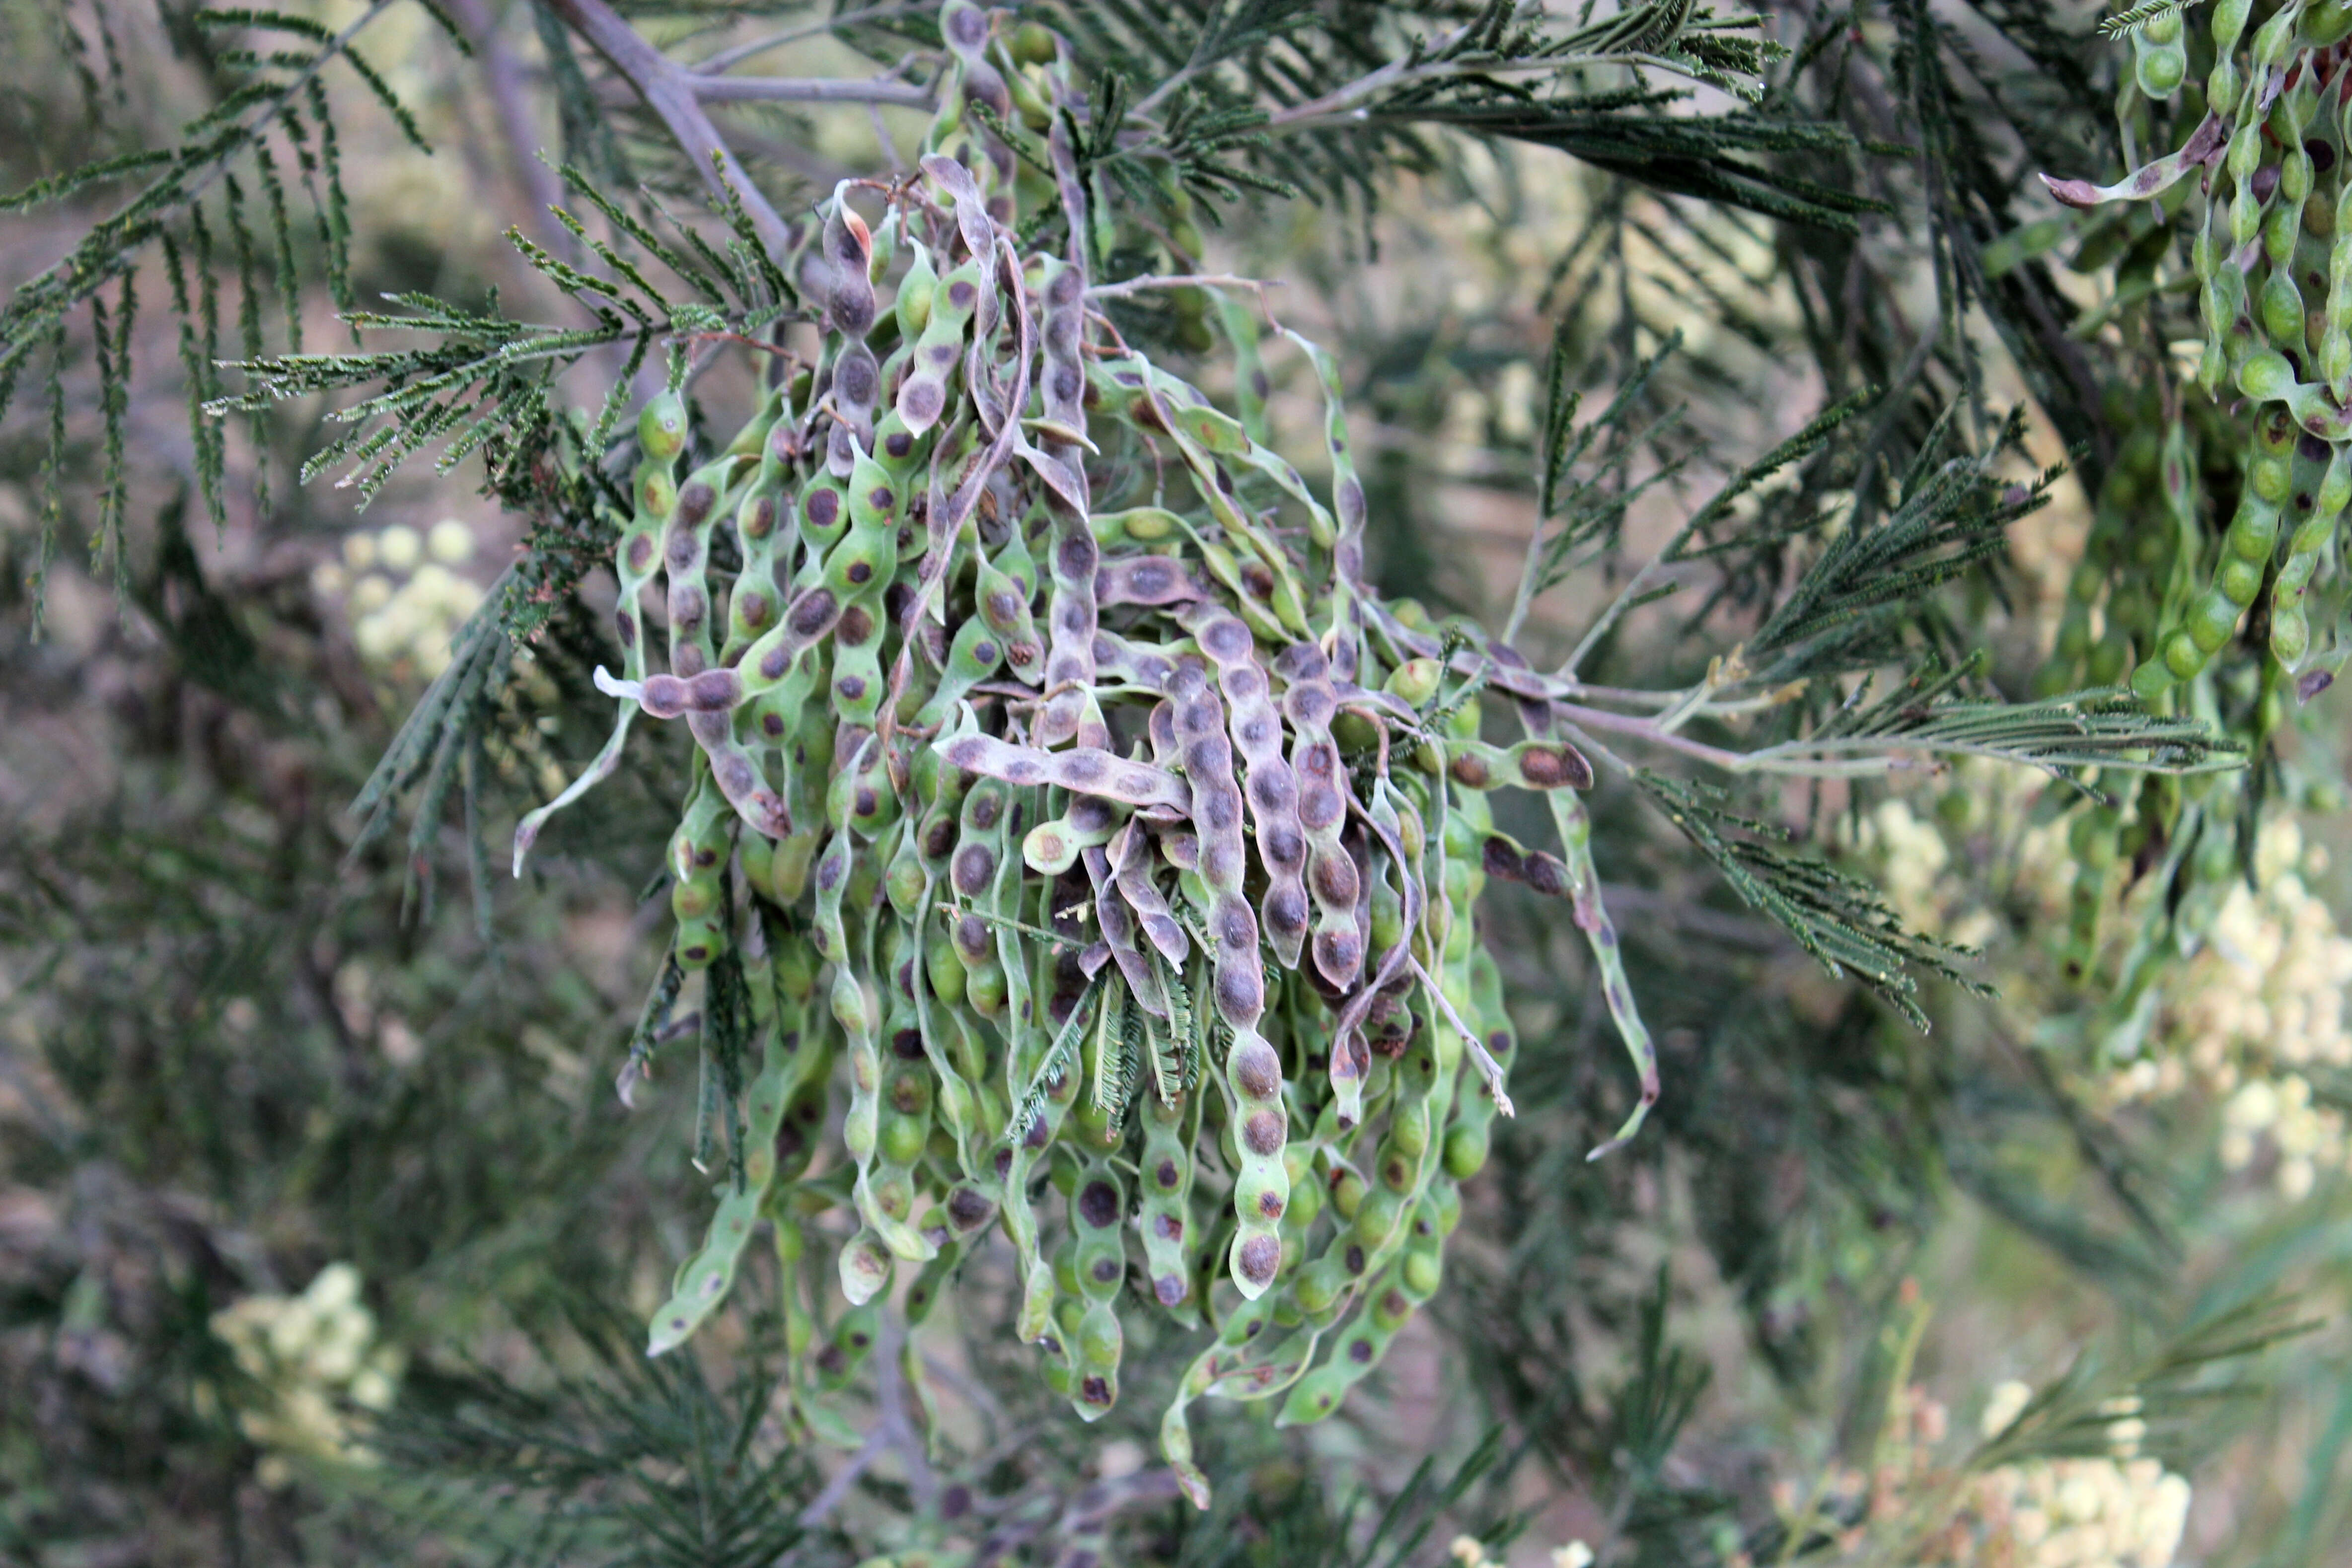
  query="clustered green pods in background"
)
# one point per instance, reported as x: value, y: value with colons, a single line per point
x: 2273, y: 258
x: 1062, y: 788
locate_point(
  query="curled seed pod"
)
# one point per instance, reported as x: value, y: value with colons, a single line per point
x: 1591, y: 917
x: 1356, y: 1352
x: 1348, y: 590
x: 1201, y: 435
x: 661, y: 435
x: 704, y: 1279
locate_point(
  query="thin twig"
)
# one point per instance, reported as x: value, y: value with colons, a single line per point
x: 1478, y: 1053
x: 1183, y: 280
x: 503, y: 74
x: 727, y: 59
x: 1343, y: 105
x: 803, y: 89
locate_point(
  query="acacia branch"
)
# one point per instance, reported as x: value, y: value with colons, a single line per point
x: 669, y: 90
x: 503, y: 74
x: 804, y: 89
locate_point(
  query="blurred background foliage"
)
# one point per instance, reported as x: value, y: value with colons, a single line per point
x: 322, y: 1233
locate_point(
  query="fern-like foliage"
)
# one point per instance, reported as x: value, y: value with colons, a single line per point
x: 1317, y: 96
x: 272, y: 123
x: 1838, y: 918
x: 1929, y: 712
x: 617, y: 1460
x: 2133, y: 18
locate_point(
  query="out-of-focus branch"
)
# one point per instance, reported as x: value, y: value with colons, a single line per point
x: 726, y: 59
x: 806, y: 90
x: 669, y: 90
x: 502, y: 73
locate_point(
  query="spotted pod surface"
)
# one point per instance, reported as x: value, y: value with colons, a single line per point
x: 1070, y: 825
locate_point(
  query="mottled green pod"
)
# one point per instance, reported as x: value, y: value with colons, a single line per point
x: 902, y: 1129
x: 1164, y: 1216
x: 1097, y: 1220
x: 2290, y: 625
x: 1273, y: 790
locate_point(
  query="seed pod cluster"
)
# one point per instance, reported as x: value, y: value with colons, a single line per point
x: 2272, y: 257
x: 1095, y: 823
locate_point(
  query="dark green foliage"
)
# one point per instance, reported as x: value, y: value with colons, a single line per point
x: 1839, y: 918
x: 1313, y: 95
x: 608, y: 1458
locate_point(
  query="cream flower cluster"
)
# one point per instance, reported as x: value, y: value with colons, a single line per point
x: 402, y: 593
x: 1470, y: 1552
x: 2259, y: 1007
x: 2247, y: 1019
x: 2122, y: 1511
x: 1914, y: 864
x: 309, y: 1357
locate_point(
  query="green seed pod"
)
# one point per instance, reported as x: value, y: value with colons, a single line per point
x: 1165, y: 1219
x: 2290, y: 625
x: 903, y: 1126
x: 853, y: 1341
x: 913, y: 305
x: 1469, y: 1131
x: 954, y: 300
x: 661, y: 433
x: 2158, y: 67
x: 1098, y: 1209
